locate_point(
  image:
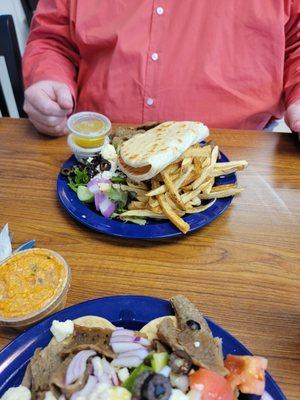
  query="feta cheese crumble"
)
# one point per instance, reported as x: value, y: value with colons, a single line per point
x: 61, y: 330
x: 49, y: 396
x: 108, y: 152
x: 123, y: 374
x: 17, y: 393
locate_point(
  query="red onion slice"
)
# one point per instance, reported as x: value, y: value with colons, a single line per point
x: 141, y: 353
x: 130, y: 362
x: 105, y: 379
x: 110, y: 371
x: 122, y: 332
x: 123, y: 347
x: 97, y: 367
x: 88, y: 388
x: 107, y: 207
x: 104, y: 204
x: 97, y: 199
x: 141, y: 340
x: 77, y: 365
x: 121, y: 338
x: 93, y: 184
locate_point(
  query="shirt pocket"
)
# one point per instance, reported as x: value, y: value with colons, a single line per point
x: 97, y: 23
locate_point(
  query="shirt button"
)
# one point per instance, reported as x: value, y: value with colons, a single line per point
x: 160, y: 10
x: 154, y: 56
x: 150, y: 101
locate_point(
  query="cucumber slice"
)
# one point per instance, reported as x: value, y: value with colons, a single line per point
x: 159, y: 361
x: 84, y: 194
x: 129, y: 383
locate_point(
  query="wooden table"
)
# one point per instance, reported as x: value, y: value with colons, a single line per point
x: 242, y: 270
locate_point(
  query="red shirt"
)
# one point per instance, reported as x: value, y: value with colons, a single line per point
x: 228, y: 63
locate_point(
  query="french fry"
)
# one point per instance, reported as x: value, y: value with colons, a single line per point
x: 172, y: 190
x: 229, y: 167
x: 206, y: 162
x: 178, y: 183
x: 136, y: 185
x: 198, y: 165
x: 173, y: 168
x: 142, y: 198
x: 186, y: 189
x: 157, y: 209
x: 205, y: 173
x: 127, y: 188
x: 184, y: 179
x: 214, y: 156
x: 153, y: 202
x: 222, y: 188
x: 177, y: 210
x: 172, y: 216
x: 142, y: 213
x: 220, y: 194
x: 195, y: 202
x: 155, y: 192
x: 186, y: 162
x: 207, y: 188
x: 136, y: 205
x: 238, y: 165
x: 195, y: 151
x: 186, y: 197
x: 201, y: 208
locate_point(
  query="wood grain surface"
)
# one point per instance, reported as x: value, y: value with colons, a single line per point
x: 242, y: 270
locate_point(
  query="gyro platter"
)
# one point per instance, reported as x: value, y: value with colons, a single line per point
x: 152, y: 181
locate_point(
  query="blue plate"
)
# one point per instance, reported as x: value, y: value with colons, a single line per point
x: 128, y: 311
x: 154, y: 229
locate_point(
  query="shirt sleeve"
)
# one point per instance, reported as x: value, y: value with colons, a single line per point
x: 292, y: 55
x: 51, y: 53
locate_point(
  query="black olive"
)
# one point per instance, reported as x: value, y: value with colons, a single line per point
x: 180, y: 362
x: 66, y: 171
x: 193, y: 325
x: 138, y: 383
x: 105, y: 165
x: 156, y: 387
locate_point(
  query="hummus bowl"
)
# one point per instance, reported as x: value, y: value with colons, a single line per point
x: 33, y: 284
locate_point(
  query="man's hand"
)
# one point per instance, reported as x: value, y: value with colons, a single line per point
x: 48, y: 104
x: 292, y: 117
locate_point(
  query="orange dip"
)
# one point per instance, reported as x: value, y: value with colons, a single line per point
x: 87, y: 126
x: 28, y: 281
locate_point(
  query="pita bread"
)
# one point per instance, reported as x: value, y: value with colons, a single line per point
x: 146, y: 154
x: 92, y: 321
x: 150, y: 329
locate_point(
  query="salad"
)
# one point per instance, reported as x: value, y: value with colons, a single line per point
x: 99, y: 183
x: 170, y: 358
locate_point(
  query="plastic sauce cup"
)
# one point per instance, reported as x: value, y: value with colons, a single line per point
x: 82, y: 153
x: 88, y: 129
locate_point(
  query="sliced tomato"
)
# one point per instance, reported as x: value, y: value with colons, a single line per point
x: 247, y: 373
x: 214, y: 386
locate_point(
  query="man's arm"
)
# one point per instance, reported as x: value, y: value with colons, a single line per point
x: 50, y: 67
x: 292, y: 67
